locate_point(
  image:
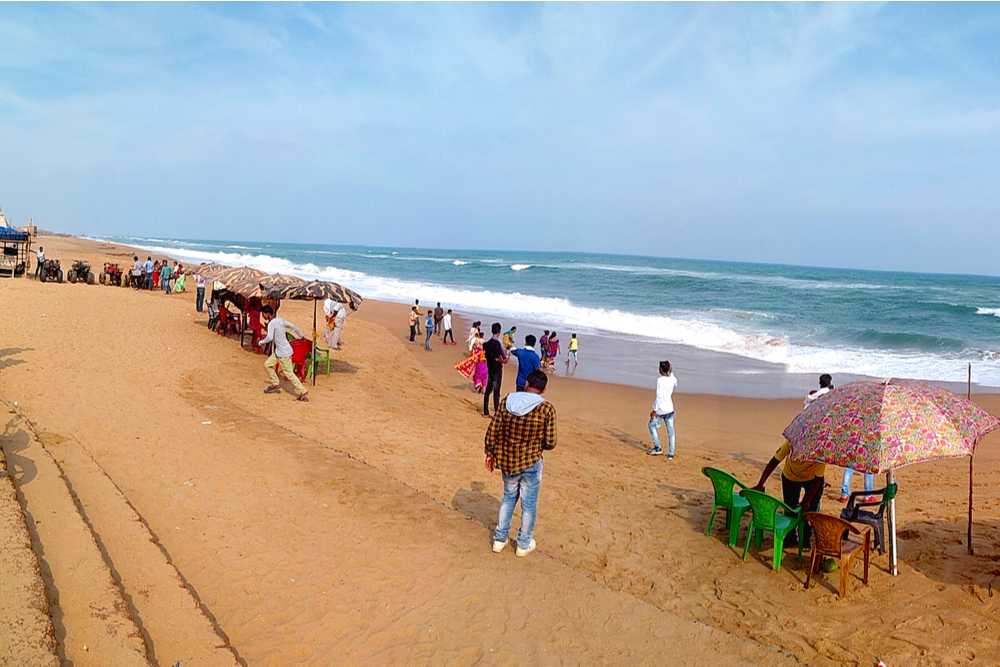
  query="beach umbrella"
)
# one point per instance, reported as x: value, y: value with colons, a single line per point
x: 289, y: 287
x: 211, y: 269
x: 879, y: 427
x: 241, y: 280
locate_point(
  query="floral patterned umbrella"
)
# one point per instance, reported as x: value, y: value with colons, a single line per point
x: 880, y: 426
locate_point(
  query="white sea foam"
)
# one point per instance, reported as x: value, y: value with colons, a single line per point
x: 458, y: 262
x: 735, y: 335
x: 995, y: 312
x: 519, y: 267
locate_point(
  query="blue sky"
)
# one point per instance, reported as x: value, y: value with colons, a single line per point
x: 834, y: 134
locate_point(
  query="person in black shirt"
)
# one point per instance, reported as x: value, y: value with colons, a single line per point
x: 496, y: 357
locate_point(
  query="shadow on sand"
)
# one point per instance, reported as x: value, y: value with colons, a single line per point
x: 7, y: 354
x: 476, y: 504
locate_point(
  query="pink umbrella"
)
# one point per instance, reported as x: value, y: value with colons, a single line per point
x: 881, y: 426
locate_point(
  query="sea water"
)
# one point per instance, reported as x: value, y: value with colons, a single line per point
x: 800, y: 319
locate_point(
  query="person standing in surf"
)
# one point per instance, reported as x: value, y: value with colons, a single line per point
x: 553, y: 349
x: 571, y: 356
x: 663, y: 411
x: 508, y: 339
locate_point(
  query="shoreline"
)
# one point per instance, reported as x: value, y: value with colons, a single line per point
x: 630, y: 360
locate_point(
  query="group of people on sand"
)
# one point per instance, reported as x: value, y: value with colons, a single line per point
x: 159, y: 274
x: 524, y: 427
x: 437, y: 322
x: 487, y: 358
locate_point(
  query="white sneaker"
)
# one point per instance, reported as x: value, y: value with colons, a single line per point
x: 521, y: 553
x: 499, y: 546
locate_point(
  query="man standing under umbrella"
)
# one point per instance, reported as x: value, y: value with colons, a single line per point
x: 797, y: 478
x: 281, y: 355
x: 336, y: 314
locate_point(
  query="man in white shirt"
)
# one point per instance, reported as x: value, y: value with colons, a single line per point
x: 663, y: 411
x: 825, y: 385
x: 446, y: 326
x: 136, y: 272
x: 281, y: 355
x: 40, y: 254
x: 336, y: 315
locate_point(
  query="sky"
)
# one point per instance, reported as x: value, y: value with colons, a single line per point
x: 855, y: 135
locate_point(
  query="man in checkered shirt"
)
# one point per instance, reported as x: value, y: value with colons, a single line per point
x: 519, y: 432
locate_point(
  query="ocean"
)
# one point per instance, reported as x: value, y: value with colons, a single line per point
x: 799, y: 320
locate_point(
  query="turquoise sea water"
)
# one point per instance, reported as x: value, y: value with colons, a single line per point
x: 806, y: 319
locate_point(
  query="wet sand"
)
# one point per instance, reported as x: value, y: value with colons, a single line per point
x: 357, y: 527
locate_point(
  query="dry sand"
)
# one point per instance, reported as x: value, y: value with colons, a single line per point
x: 235, y: 526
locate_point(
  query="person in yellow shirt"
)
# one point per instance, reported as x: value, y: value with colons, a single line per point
x: 572, y: 355
x: 797, y: 476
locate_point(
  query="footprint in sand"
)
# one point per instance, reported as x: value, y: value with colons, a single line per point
x: 908, y: 534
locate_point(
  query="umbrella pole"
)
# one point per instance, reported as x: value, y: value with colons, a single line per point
x: 313, y: 355
x: 893, y: 556
x: 968, y: 536
x: 969, y: 533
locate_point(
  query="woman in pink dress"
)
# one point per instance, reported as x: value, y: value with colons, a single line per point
x: 553, y: 349
x: 473, y: 367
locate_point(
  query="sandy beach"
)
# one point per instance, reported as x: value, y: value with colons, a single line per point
x: 176, y: 513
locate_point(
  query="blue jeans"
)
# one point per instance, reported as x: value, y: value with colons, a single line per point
x: 199, y: 298
x: 427, y: 340
x: 165, y: 284
x: 845, y: 487
x: 524, y: 486
x: 654, y: 425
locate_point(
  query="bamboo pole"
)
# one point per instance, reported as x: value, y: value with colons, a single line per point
x: 893, y: 554
x: 312, y: 354
x: 972, y: 455
x: 968, y: 535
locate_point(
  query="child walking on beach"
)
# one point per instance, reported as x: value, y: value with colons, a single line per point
x: 663, y: 411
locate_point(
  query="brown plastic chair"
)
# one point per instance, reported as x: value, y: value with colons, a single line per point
x: 831, y: 537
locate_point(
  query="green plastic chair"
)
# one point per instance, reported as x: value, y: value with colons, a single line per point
x: 766, y: 518
x: 322, y: 362
x: 734, y: 505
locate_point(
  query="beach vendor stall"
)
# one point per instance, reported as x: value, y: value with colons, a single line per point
x: 289, y: 287
x: 879, y: 427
